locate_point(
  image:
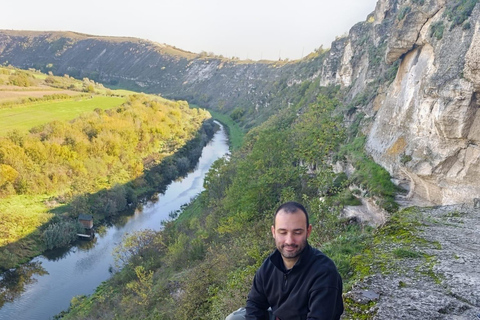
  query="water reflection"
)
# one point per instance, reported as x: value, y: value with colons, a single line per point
x: 58, y: 253
x: 101, y: 231
x: 85, y: 245
x: 14, y: 282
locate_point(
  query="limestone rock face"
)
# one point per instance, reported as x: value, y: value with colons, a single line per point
x: 472, y: 61
x: 422, y: 125
x: 407, y: 26
x: 427, y: 128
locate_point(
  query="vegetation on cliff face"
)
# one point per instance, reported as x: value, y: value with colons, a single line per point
x: 99, y: 163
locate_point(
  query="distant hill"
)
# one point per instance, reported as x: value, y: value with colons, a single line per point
x: 405, y: 59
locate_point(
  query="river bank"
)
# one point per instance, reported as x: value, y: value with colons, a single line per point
x: 120, y: 200
x: 47, y: 285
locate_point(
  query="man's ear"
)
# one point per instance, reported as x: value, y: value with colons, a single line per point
x: 309, y: 230
x: 273, y: 231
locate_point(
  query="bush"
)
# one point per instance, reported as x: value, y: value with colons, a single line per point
x: 61, y: 234
x: 460, y: 11
x: 21, y: 79
x: 50, y: 80
x: 403, y: 12
x: 436, y: 30
x: 405, y: 158
x: 137, y: 246
x: 237, y: 113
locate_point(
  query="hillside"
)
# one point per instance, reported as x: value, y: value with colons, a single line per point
x: 409, y: 71
x: 389, y: 112
x: 70, y: 147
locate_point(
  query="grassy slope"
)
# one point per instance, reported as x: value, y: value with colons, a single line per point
x: 24, y: 117
x: 235, y: 134
x: 22, y: 215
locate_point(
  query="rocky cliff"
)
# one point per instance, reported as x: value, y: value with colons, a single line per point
x: 411, y: 71
x: 426, y: 128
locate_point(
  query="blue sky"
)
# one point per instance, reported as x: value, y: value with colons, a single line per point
x: 254, y: 29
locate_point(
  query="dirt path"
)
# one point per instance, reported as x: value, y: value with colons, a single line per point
x: 11, y: 93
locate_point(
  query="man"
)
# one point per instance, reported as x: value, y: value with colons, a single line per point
x: 296, y: 281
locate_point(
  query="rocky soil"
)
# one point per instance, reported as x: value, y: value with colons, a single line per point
x: 442, y: 284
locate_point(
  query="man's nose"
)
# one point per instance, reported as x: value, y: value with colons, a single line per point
x: 289, y: 239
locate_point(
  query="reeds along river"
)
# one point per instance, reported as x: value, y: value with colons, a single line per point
x: 44, y: 287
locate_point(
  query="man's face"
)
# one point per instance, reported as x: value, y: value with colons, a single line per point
x: 290, y: 233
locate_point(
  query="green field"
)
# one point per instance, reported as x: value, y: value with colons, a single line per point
x: 25, y: 117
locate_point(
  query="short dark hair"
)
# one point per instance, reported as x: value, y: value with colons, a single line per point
x: 291, y: 207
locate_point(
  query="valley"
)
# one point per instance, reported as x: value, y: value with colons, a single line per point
x: 385, y: 120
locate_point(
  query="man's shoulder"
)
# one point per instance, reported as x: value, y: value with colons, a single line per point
x: 321, y: 261
x: 273, y: 260
x: 324, y: 271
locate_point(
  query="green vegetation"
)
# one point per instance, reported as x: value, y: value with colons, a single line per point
x: 369, y: 175
x: 459, y: 11
x: 436, y: 30
x: 402, y: 13
x: 46, y: 97
x: 405, y: 158
x: 61, y: 234
x: 394, y: 248
x: 23, y: 118
x: 21, y: 79
x: 235, y: 133
x: 201, y: 264
x: 100, y: 162
x: 21, y: 216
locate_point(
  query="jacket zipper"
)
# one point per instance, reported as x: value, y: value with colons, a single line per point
x: 285, y: 280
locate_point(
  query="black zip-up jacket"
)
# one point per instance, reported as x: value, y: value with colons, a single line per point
x: 312, y: 289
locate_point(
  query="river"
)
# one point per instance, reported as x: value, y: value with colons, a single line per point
x: 47, y: 284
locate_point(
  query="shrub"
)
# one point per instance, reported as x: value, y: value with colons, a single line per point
x: 21, y: 79
x: 237, y: 113
x: 61, y: 234
x: 460, y: 11
x: 405, y: 158
x: 137, y: 246
x: 436, y: 30
x: 403, y: 12
x: 50, y: 80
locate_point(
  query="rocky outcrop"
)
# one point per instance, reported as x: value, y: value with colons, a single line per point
x: 411, y: 71
x: 442, y: 286
x: 426, y: 131
x: 409, y: 29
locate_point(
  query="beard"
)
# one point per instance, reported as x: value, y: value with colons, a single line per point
x: 293, y: 250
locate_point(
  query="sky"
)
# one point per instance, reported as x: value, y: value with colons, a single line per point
x: 247, y: 29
